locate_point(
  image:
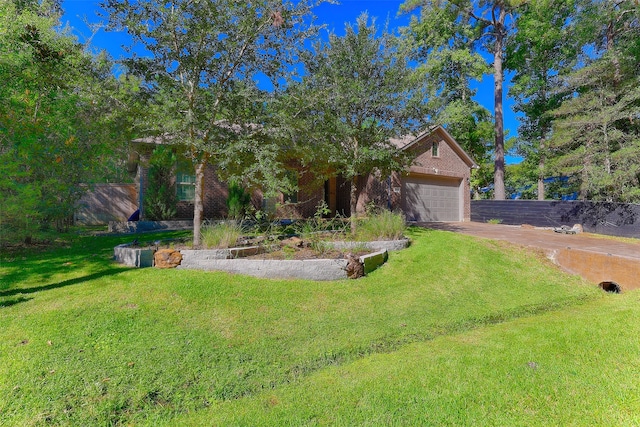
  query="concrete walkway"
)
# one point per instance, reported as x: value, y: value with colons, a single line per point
x: 594, y: 257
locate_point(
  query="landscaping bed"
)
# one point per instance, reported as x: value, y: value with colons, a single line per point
x: 315, y: 249
x: 286, y: 258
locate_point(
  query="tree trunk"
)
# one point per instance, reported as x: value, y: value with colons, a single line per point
x: 498, y: 178
x: 197, y: 203
x: 541, y: 172
x: 353, y: 202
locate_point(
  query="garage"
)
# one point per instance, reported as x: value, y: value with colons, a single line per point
x: 429, y: 198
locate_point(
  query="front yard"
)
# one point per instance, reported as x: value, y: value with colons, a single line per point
x: 454, y: 330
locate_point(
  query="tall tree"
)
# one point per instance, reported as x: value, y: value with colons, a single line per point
x: 57, y: 104
x: 477, y: 24
x: 596, y: 133
x: 537, y: 53
x: 201, y: 59
x: 358, y: 93
x: 448, y: 72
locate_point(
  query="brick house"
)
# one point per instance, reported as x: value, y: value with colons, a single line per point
x: 434, y: 187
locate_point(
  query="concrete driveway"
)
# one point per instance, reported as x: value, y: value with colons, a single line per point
x: 596, y: 258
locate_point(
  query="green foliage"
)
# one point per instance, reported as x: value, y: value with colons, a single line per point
x: 537, y: 52
x: 358, y: 93
x: 319, y: 222
x: 595, y: 138
x: 160, y: 199
x: 576, y: 83
x: 87, y: 342
x: 521, y: 180
x: 448, y: 70
x: 238, y: 201
x: 200, y: 65
x: 451, y: 36
x: 221, y: 235
x: 318, y: 229
x: 381, y: 225
x: 60, y: 118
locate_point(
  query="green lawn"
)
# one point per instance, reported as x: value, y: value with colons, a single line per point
x: 454, y: 330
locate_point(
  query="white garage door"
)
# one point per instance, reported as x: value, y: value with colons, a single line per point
x: 431, y: 199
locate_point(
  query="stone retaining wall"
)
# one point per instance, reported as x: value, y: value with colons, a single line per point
x: 376, y: 245
x: 231, y: 260
x: 133, y: 257
x: 310, y: 269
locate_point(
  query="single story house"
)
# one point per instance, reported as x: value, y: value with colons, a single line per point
x: 434, y: 187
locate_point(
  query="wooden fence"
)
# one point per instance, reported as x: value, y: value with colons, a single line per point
x: 614, y: 219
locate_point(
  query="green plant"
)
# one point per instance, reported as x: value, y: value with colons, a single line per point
x: 221, y: 235
x: 494, y: 221
x: 238, y: 201
x: 289, y: 252
x: 160, y: 200
x: 313, y: 228
x: 384, y: 225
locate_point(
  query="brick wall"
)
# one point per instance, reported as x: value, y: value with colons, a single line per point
x: 447, y: 164
x: 215, y: 195
x: 310, y: 194
x: 376, y: 189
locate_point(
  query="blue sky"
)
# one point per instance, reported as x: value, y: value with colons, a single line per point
x: 77, y: 12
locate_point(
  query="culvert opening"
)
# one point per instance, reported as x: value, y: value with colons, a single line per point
x: 609, y: 286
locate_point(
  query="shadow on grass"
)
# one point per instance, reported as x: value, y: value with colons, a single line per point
x: 89, y: 253
x: 64, y: 283
x: 9, y: 303
x: 441, y: 226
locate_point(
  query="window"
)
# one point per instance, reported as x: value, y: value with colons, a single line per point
x: 185, y: 186
x: 269, y: 205
x: 434, y: 149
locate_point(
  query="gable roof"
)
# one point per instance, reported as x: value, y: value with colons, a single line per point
x: 409, y: 141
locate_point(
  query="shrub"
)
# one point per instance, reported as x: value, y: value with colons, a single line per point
x: 384, y: 225
x: 160, y: 200
x: 313, y: 228
x: 221, y: 235
x: 238, y: 201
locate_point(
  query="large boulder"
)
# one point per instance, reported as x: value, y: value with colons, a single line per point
x: 167, y: 258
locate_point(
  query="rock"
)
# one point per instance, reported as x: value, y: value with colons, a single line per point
x: 577, y: 228
x: 167, y: 258
x: 355, y: 269
x: 293, y: 242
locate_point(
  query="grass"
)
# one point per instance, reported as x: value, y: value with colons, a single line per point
x: 561, y: 368
x: 87, y: 342
x: 383, y: 225
x: 221, y: 235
